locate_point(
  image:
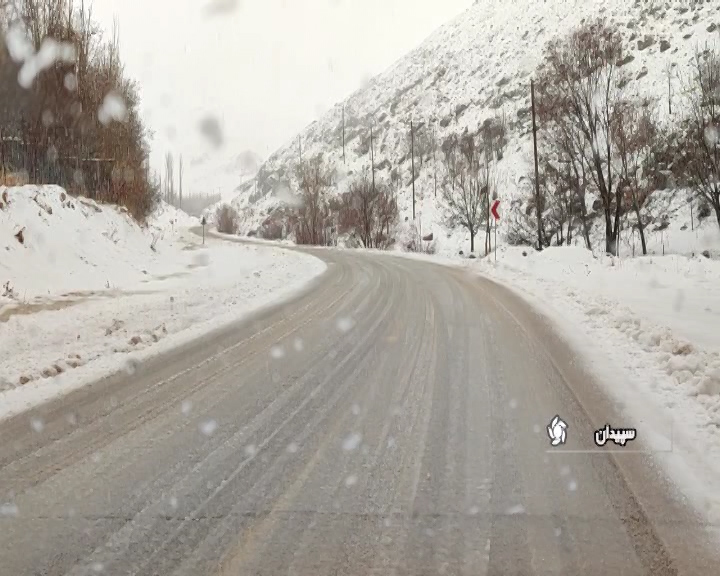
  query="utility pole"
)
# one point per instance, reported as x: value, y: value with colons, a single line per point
x: 412, y: 161
x: 538, y: 208
x: 434, y: 145
x: 372, y: 159
x: 343, y: 132
x: 180, y: 170
x: 692, y: 219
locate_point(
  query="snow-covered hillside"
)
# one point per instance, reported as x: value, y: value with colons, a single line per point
x: 473, y: 69
x: 85, y: 290
x: 53, y: 243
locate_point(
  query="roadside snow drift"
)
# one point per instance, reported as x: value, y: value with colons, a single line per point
x: 649, y: 328
x: 86, y: 291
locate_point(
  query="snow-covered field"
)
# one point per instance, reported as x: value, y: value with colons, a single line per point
x: 88, y: 291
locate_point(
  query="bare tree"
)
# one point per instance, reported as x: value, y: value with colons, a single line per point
x: 565, y: 179
x: 701, y: 130
x: 635, y: 132
x: 468, y: 182
x: 314, y: 217
x: 169, y: 178
x: 579, y: 88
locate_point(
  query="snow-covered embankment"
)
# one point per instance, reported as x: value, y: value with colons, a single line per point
x: 86, y: 291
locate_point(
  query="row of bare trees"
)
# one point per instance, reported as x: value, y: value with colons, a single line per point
x: 68, y: 112
x: 366, y: 211
x: 595, y: 139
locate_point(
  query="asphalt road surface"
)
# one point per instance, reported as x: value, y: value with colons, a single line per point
x: 389, y: 420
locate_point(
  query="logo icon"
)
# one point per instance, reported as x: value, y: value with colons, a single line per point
x: 557, y: 431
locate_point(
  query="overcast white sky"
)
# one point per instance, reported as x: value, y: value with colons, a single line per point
x: 263, y: 68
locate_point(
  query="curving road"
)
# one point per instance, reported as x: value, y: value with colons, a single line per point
x: 389, y: 420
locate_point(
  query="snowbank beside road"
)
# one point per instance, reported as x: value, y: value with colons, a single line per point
x: 53, y: 244
x: 88, y: 295
x: 166, y: 218
x: 649, y: 328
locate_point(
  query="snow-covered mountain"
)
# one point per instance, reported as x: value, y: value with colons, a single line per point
x: 474, y: 69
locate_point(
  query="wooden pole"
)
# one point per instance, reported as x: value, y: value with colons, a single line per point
x: 538, y: 208
x: 434, y: 143
x: 412, y: 161
x: 372, y: 159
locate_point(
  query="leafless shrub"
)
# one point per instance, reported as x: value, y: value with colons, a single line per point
x: 367, y: 211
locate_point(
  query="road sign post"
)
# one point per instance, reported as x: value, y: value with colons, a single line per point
x: 496, y: 215
x: 203, y: 222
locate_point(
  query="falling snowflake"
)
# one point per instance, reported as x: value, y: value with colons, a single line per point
x: 208, y: 427
x: 277, y: 352
x: 517, y: 509
x: 292, y: 448
x: 186, y: 407
x: 113, y: 108
x: 173, y: 502
x: 250, y: 450
x: 352, y: 442
x: 572, y: 485
x: 298, y: 345
x: 345, y: 324
x: 351, y: 480
x: 37, y: 424
x: 355, y: 409
x: 131, y: 366
x: 8, y: 510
